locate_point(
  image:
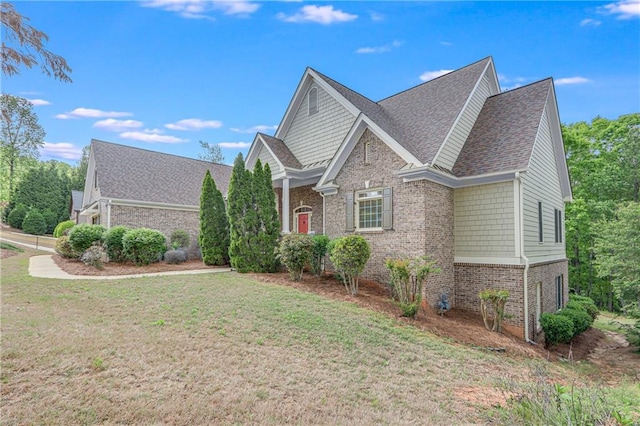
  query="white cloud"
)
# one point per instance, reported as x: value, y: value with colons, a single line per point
x: 380, y: 49
x: 504, y: 79
x: 570, y: 80
x: 151, y: 136
x: 91, y: 113
x: 39, y: 102
x: 198, y: 9
x: 114, y: 125
x: 236, y: 145
x: 324, y: 15
x: 375, y: 16
x: 255, y: 129
x: 625, y: 9
x: 194, y: 124
x: 64, y: 150
x: 446, y: 43
x: 588, y: 22
x: 430, y: 75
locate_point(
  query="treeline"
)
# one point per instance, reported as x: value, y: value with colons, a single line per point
x: 603, y: 221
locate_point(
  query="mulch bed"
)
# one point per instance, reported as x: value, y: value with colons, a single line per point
x: 75, y: 267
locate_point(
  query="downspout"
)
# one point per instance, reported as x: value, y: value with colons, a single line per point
x: 524, y: 258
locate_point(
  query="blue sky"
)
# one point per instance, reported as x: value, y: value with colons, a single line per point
x: 164, y: 74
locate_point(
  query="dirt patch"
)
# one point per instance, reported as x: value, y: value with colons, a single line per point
x: 75, y: 267
x: 4, y: 253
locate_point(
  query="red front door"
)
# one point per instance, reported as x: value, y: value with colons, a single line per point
x: 303, y: 223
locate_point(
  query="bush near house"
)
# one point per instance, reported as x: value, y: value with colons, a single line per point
x: 407, y: 280
x: 143, y: 246
x: 349, y: 255
x: 60, y: 228
x: 176, y: 256
x: 64, y: 249
x: 84, y: 235
x: 179, y: 238
x: 587, y: 304
x: 580, y: 319
x: 320, y: 248
x: 295, y: 252
x: 557, y: 329
x: 17, y: 215
x: 497, y: 299
x: 113, y: 243
x: 94, y: 256
x: 34, y: 223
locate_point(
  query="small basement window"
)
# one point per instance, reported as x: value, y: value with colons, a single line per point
x: 313, y: 100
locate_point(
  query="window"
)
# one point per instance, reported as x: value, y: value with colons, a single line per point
x: 95, y: 179
x: 540, y: 232
x: 95, y: 220
x: 313, y: 101
x: 369, y: 209
x: 367, y: 150
x: 559, y: 292
x: 558, y: 221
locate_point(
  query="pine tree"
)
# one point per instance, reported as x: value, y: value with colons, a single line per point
x: 214, y: 224
x: 240, y: 205
x: 269, y: 225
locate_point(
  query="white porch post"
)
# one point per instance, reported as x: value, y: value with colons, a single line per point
x: 285, y: 206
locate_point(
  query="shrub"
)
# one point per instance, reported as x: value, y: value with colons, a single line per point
x: 497, y: 299
x: 94, y: 256
x: 349, y: 255
x: 64, y: 249
x: 179, y: 238
x: 557, y: 329
x: 587, y: 304
x: 407, y: 281
x: 34, y: 223
x: 60, y: 228
x: 214, y: 224
x: 176, y: 256
x: 113, y: 243
x: 143, y: 246
x: 295, y: 251
x: 579, y: 317
x: 319, y: 251
x: 84, y: 235
x: 17, y: 215
x: 51, y: 219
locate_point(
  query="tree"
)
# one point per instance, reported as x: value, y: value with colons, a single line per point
x: 212, y: 153
x: 80, y: 170
x: 214, y: 224
x: 241, y: 215
x: 268, y: 225
x: 21, y: 133
x: 28, y: 47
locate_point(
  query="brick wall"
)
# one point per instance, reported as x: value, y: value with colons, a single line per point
x: 306, y: 196
x: 163, y: 220
x: 545, y: 274
x: 422, y: 215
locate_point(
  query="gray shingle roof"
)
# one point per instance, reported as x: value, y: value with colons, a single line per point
x: 424, y: 114
x: 504, y: 133
x: 281, y: 151
x: 129, y: 173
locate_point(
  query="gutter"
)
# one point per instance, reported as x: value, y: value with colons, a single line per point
x: 524, y: 258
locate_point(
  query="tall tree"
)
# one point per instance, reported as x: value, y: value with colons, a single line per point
x: 214, y: 224
x: 80, y: 171
x: 20, y: 131
x: 23, y: 45
x: 241, y: 213
x: 268, y: 230
x: 212, y: 153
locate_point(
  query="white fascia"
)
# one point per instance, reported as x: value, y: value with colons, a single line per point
x: 252, y: 156
x: 357, y: 129
x: 151, y: 205
x: 558, y: 145
x: 434, y: 175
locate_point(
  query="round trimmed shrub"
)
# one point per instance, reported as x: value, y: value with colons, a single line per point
x: 349, y: 255
x: 143, y: 246
x: 17, y: 215
x: 580, y: 318
x: 320, y: 247
x: 113, y: 243
x: 60, y: 228
x: 586, y: 303
x: 295, y: 252
x: 34, y: 223
x: 174, y: 257
x: 180, y: 238
x: 64, y: 249
x: 94, y: 256
x: 557, y: 329
x: 84, y: 235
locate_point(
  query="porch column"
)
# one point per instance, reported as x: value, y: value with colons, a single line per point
x: 285, y: 206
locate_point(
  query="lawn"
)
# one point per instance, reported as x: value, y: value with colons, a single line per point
x: 221, y: 348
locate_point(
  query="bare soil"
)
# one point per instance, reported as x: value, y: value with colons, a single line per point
x: 4, y: 253
x: 608, y: 350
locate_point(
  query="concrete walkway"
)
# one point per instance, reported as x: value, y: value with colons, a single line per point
x: 45, y: 267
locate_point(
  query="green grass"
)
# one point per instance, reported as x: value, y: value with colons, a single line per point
x: 612, y: 322
x: 11, y: 247
x: 224, y: 349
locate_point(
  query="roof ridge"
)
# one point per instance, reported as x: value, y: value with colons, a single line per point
x: 157, y: 152
x: 340, y: 84
x: 526, y: 86
x: 434, y: 79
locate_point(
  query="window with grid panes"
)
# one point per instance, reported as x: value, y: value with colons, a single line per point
x: 370, y: 209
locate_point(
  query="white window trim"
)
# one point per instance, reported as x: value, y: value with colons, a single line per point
x: 317, y: 106
x: 357, y: 210
x: 367, y: 153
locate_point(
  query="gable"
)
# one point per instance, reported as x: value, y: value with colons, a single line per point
x: 316, y: 137
x: 265, y: 157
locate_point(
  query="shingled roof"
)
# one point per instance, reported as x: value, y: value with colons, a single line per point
x: 281, y: 151
x: 129, y: 173
x: 503, y: 136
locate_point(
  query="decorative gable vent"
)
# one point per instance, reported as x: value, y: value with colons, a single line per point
x: 313, y: 100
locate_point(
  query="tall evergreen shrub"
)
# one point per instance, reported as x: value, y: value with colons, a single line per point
x: 214, y: 224
x: 241, y: 215
x: 268, y: 224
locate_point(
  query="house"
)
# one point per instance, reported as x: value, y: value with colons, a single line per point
x: 453, y: 168
x: 75, y: 205
x: 140, y: 188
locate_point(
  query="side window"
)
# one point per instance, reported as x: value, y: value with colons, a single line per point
x: 372, y: 208
x: 540, y: 229
x: 558, y: 222
x: 313, y: 100
x: 559, y: 292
